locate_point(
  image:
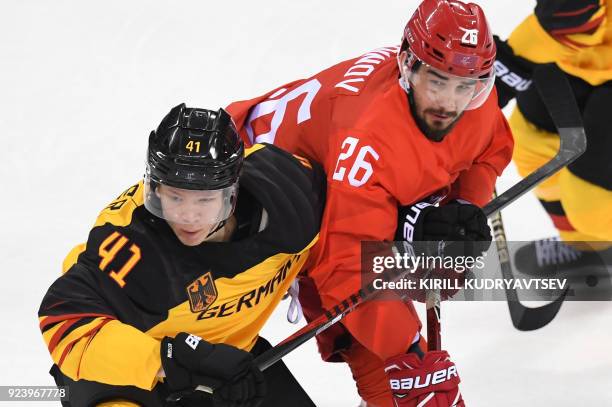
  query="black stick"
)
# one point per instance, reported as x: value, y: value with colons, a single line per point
x: 523, y: 318
x: 560, y: 102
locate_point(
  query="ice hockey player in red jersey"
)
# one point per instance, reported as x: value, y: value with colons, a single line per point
x: 182, y: 270
x: 398, y: 130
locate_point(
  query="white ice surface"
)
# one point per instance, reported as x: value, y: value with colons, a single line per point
x: 83, y: 82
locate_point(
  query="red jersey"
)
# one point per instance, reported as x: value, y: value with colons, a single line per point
x: 355, y: 119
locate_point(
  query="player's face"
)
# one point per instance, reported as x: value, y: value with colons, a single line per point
x: 439, y: 99
x: 191, y: 214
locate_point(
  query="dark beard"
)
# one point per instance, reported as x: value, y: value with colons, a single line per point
x: 430, y: 133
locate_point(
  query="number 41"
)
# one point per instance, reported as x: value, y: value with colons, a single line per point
x: 348, y: 148
x: 191, y: 145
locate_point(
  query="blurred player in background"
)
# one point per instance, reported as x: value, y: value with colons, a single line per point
x: 412, y: 141
x: 577, y: 36
x: 182, y: 270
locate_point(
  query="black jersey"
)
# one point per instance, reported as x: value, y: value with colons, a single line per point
x: 134, y: 282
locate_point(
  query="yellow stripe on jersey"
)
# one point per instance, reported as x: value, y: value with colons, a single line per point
x: 252, y: 149
x: 596, y: 37
x: 244, y: 302
x: 534, y: 147
x: 119, y: 212
x: 587, y: 206
x: 592, y: 61
x: 50, y: 333
x: 72, y: 257
x: 120, y: 354
x: 117, y: 354
x: 118, y: 403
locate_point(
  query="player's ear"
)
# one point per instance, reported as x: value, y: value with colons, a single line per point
x: 157, y: 194
x: 403, y: 56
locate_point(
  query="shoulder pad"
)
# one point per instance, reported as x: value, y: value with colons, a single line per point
x: 119, y: 211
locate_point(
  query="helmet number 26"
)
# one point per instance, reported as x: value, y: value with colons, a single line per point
x: 361, y: 170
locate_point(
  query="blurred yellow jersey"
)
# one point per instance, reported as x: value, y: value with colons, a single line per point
x: 584, y: 51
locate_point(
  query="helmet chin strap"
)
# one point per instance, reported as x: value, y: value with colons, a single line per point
x: 409, y: 92
x: 216, y: 228
x: 404, y: 85
x: 221, y: 224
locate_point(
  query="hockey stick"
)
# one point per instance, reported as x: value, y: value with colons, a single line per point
x: 573, y: 143
x: 338, y: 312
x: 523, y: 318
x: 434, y: 319
x: 561, y: 104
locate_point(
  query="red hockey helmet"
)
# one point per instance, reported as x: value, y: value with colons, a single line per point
x: 453, y: 37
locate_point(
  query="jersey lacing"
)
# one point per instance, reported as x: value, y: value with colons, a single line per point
x: 294, y: 312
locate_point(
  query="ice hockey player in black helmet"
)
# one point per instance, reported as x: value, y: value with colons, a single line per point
x: 193, y: 164
x: 181, y: 271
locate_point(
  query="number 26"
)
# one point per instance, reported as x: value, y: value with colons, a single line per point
x: 349, y: 145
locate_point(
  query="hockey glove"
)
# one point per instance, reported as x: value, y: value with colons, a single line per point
x: 189, y: 361
x: 431, y: 381
x: 512, y: 73
x: 453, y: 222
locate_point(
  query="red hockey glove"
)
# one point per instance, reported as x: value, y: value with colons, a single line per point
x: 429, y: 382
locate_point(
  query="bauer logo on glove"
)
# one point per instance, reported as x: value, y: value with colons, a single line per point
x: 419, y: 382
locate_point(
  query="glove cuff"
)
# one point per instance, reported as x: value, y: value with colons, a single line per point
x: 410, y: 217
x: 177, y: 377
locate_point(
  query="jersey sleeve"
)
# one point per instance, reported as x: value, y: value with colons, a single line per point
x: 476, y: 184
x: 572, y: 34
x: 559, y: 18
x: 83, y: 316
x: 258, y: 119
x: 87, y: 340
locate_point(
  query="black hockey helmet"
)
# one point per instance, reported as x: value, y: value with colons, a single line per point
x: 194, y: 150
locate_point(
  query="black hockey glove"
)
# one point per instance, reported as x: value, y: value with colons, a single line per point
x: 453, y: 222
x: 189, y: 361
x: 512, y: 73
